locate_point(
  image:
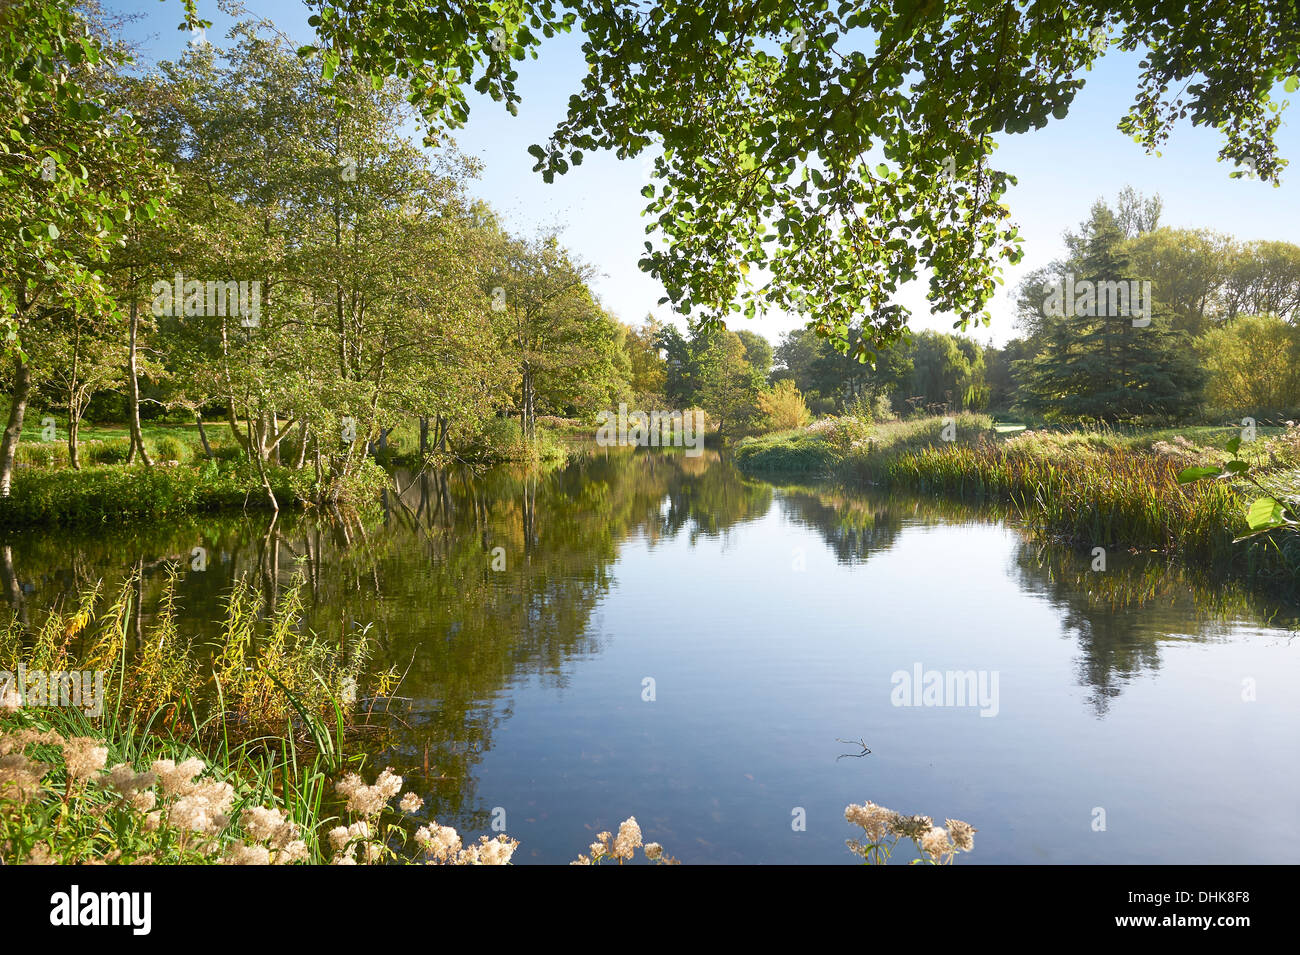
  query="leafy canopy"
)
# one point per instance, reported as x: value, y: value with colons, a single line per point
x: 818, y: 156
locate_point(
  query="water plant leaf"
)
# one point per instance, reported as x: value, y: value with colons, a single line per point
x: 1263, y: 513
x: 1191, y: 475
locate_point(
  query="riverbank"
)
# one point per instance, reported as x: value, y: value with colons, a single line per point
x: 170, y: 755
x: 1092, y: 489
x: 184, y: 479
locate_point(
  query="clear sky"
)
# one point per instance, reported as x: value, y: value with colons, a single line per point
x: 1062, y: 169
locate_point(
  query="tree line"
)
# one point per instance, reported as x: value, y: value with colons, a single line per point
x: 1222, y: 335
x: 286, y: 264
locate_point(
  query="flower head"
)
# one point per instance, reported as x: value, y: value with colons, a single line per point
x: 873, y: 819
x: 963, y: 834
x: 411, y: 803
x: 83, y: 757
x: 628, y: 839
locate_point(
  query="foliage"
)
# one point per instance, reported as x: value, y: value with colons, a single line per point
x: 772, y: 177
x: 1274, y: 506
x: 800, y: 453
x: 109, y: 493
x: 1095, y: 359
x: 1252, y: 365
x: 783, y: 407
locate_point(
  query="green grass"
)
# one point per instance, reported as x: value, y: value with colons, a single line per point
x: 110, y: 492
x: 837, y: 445
x: 788, y: 453
x: 263, y: 714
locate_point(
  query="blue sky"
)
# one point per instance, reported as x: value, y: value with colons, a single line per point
x: 1062, y: 169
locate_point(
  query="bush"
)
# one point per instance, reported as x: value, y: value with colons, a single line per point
x: 502, y: 439
x: 500, y: 434
x: 42, y: 454
x: 112, y: 451
x: 171, y: 448
x: 801, y: 453
x: 783, y: 407
x: 871, y: 408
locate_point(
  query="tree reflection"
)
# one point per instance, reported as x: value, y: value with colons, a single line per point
x: 1116, y: 645
x: 469, y: 582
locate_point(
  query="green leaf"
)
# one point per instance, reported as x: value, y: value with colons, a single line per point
x: 1190, y: 475
x: 1234, y: 444
x: 1265, y: 512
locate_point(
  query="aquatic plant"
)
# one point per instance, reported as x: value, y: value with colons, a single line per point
x: 884, y: 829
x: 61, y: 803
x: 623, y: 848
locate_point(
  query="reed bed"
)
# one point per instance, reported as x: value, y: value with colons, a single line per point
x: 1100, y: 498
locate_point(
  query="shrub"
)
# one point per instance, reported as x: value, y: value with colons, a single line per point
x: 171, y: 448
x: 783, y: 407
x: 111, y: 451
x: 100, y: 493
x: 801, y: 453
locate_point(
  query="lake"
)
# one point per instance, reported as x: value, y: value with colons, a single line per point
x: 651, y: 634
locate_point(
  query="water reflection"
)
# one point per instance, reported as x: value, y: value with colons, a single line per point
x: 478, y: 585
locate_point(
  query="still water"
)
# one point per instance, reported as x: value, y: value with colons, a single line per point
x: 643, y: 633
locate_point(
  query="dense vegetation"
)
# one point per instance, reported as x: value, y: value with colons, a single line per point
x: 1222, y: 342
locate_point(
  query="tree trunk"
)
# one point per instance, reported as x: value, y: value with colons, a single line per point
x: 203, y: 434
x: 74, y: 405
x: 266, y: 481
x: 133, y: 377
x: 272, y: 424
x: 74, y: 423
x: 13, y: 588
x: 233, y: 420
x: 18, y: 395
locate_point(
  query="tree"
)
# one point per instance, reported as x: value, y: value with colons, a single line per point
x: 563, y: 345
x: 76, y: 357
x: 783, y: 407
x: 1135, y: 214
x: 1253, y: 365
x: 1264, y: 279
x: 647, y: 372
x: 681, y: 378
x: 758, y: 351
x: 1001, y: 375
x: 1098, y: 359
x: 1188, y: 270
x: 765, y: 112
x: 727, y: 386
x: 65, y: 156
x: 947, y: 372
x: 838, y: 378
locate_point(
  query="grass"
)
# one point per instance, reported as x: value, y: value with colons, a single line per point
x: 787, y: 452
x: 267, y: 707
x: 105, y: 493
x: 56, y: 805
x: 835, y: 446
